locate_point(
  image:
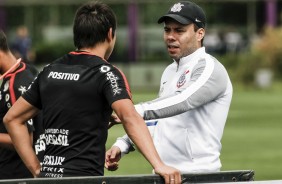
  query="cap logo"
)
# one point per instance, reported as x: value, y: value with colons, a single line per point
x: 197, y: 20
x: 177, y: 7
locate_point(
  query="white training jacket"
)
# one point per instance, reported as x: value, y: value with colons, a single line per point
x: 191, y: 110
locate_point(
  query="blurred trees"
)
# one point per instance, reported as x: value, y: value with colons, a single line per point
x: 264, y: 53
x: 50, y: 26
x: 268, y: 49
x: 48, y: 21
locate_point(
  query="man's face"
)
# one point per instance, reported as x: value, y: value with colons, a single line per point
x: 181, y: 40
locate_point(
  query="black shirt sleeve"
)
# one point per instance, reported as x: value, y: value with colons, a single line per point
x: 115, y: 85
x: 32, y: 95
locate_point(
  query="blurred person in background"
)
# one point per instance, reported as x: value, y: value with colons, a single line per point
x: 21, y: 45
x: 194, y: 98
x: 16, y: 76
x: 77, y: 94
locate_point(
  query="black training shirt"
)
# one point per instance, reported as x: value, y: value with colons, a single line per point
x: 75, y: 94
x: 13, y: 86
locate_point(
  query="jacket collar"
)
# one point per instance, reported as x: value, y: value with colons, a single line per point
x: 199, y: 52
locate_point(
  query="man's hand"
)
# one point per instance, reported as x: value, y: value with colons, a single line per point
x: 113, y: 155
x: 170, y: 174
x: 114, y: 119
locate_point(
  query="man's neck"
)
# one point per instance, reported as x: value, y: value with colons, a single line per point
x: 98, y: 50
x: 8, y: 63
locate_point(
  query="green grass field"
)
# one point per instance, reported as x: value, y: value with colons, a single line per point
x: 252, y: 139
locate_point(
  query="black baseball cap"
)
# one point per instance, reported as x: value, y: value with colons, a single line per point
x: 186, y: 12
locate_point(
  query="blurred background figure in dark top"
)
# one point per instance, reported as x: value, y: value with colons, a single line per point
x: 21, y: 45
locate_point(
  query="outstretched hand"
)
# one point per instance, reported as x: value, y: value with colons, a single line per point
x: 114, y: 120
x: 113, y: 155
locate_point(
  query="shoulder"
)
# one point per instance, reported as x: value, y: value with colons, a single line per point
x: 209, y: 68
x: 218, y: 66
x: 210, y: 63
x: 219, y: 73
x: 32, y: 69
x: 26, y: 72
x: 111, y: 72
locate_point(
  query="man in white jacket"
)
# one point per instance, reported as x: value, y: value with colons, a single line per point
x: 194, y: 98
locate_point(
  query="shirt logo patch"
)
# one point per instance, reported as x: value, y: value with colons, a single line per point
x: 113, y: 79
x: 6, y: 86
x: 22, y: 89
x: 7, y: 97
x: 9, y: 105
x: 182, y: 79
x: 64, y: 76
x: 105, y: 69
x: 30, y: 122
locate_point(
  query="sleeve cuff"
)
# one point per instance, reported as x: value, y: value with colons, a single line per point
x: 124, y: 145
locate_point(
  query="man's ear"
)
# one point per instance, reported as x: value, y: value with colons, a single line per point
x: 201, y: 33
x: 110, y: 35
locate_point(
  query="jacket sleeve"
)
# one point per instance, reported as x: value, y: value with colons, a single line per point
x: 126, y: 145
x: 208, y: 81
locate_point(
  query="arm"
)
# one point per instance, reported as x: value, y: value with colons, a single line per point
x: 14, y: 94
x: 14, y: 121
x: 124, y: 144
x: 208, y: 81
x: 138, y: 132
x: 5, y: 141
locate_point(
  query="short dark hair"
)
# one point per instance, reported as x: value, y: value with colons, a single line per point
x: 3, y: 42
x: 92, y: 22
